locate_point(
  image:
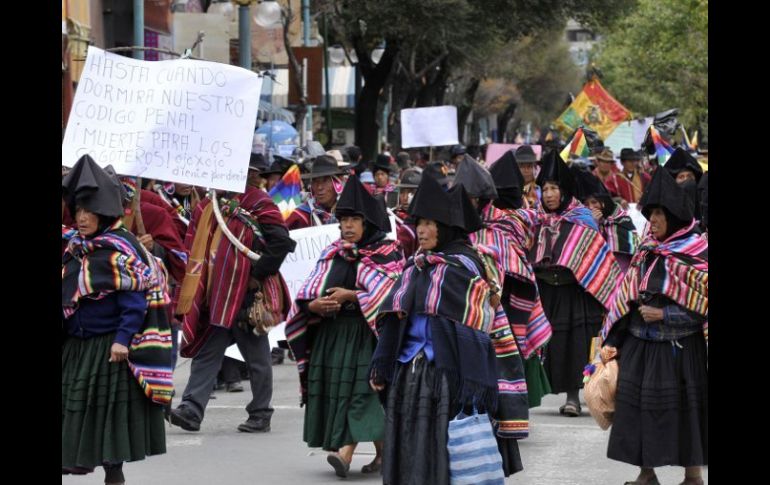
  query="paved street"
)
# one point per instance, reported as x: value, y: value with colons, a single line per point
x: 559, y: 451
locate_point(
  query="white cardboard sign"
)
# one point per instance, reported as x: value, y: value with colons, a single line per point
x: 179, y: 120
x: 425, y: 127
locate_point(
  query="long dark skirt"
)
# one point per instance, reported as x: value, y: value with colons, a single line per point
x: 416, y: 426
x: 342, y: 409
x: 509, y: 451
x: 106, y: 418
x: 661, y: 406
x: 576, y: 318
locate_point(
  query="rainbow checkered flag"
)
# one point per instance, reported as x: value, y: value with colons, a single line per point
x: 662, y: 149
x: 578, y: 145
x: 287, y: 193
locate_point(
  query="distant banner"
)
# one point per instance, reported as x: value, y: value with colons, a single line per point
x: 426, y: 127
x: 181, y: 120
x: 497, y: 150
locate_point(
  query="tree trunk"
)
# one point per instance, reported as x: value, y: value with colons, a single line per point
x: 466, y: 107
x: 375, y: 77
x: 503, y: 120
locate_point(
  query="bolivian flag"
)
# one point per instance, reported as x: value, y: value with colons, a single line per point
x: 594, y: 108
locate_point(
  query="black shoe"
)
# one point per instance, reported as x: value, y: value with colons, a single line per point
x: 255, y: 425
x: 113, y: 475
x: 185, y: 419
x: 233, y: 387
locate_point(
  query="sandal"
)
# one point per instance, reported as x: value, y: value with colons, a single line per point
x: 570, y: 409
x: 341, y: 467
x: 374, y: 466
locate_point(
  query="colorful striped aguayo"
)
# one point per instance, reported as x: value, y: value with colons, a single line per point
x: 595, y: 108
x: 67, y: 232
x: 505, y: 238
x: 287, y: 193
x: 116, y: 261
x: 676, y: 268
x: 572, y: 240
x: 378, y: 267
x: 577, y: 146
x: 620, y: 232
x: 662, y: 149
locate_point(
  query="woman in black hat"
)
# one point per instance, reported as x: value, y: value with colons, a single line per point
x: 576, y: 275
x: 334, y: 317
x: 382, y: 186
x: 687, y: 172
x: 325, y: 185
x: 435, y: 355
x: 614, y: 222
x: 112, y: 291
x: 406, y: 230
x: 656, y: 329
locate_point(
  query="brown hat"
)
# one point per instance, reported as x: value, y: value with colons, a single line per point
x: 606, y: 155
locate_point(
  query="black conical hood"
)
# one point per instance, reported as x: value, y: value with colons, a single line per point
x: 464, y: 216
x: 663, y: 191
x: 588, y: 185
x: 681, y: 160
x: 506, y: 172
x: 475, y: 179
x: 431, y: 202
x: 555, y: 170
x: 87, y: 185
x: 355, y: 199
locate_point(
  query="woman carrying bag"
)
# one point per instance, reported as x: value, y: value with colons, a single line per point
x: 657, y: 326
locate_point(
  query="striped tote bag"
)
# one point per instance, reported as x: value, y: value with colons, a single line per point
x: 473, y: 455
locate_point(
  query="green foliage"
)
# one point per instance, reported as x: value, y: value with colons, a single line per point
x: 657, y: 58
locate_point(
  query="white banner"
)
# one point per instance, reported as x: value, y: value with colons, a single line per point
x: 638, y: 218
x: 181, y: 120
x: 425, y: 127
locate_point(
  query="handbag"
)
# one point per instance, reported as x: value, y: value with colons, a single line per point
x: 600, y: 389
x: 259, y: 315
x: 473, y: 453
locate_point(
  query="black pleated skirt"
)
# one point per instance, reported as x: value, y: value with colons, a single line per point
x: 576, y: 318
x: 416, y: 425
x: 661, y: 407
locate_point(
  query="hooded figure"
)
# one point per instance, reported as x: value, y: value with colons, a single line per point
x: 508, y: 181
x: 657, y: 325
x: 556, y: 171
x: 680, y: 161
x: 440, y: 338
x: 116, y: 337
x: 331, y: 330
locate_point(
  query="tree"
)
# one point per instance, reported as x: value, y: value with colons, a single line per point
x: 427, y: 41
x: 657, y: 58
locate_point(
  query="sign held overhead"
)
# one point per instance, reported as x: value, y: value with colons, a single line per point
x: 426, y: 127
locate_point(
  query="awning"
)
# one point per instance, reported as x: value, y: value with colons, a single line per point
x: 342, y: 80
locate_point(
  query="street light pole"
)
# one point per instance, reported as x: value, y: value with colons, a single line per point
x: 306, y: 42
x: 328, y: 88
x: 244, y: 34
x: 138, y: 28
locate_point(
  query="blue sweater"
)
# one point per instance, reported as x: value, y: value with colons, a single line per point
x: 120, y: 311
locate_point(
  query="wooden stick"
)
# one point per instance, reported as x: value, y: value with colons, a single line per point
x: 140, y: 230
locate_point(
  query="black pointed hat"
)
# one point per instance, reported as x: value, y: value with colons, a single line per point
x: 681, y: 160
x: 588, y: 185
x: 88, y: 186
x: 663, y: 191
x: 476, y: 180
x: 555, y: 170
x: 431, y: 202
x: 434, y: 171
x: 464, y: 214
x: 506, y: 172
x: 355, y: 199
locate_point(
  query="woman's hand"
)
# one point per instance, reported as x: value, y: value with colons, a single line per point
x: 597, y: 214
x: 607, y: 353
x: 118, y: 352
x: 651, y: 314
x: 324, y: 306
x: 341, y: 295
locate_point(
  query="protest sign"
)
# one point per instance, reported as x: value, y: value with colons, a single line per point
x: 181, y: 120
x: 638, y: 219
x: 496, y: 150
x: 428, y: 127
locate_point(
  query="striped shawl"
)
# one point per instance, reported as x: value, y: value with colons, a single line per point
x: 619, y: 231
x: 116, y: 261
x: 676, y: 268
x: 504, y: 239
x: 377, y: 268
x: 571, y: 239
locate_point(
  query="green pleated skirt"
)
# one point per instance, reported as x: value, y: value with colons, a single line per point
x: 537, y: 381
x: 106, y: 417
x: 342, y: 409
